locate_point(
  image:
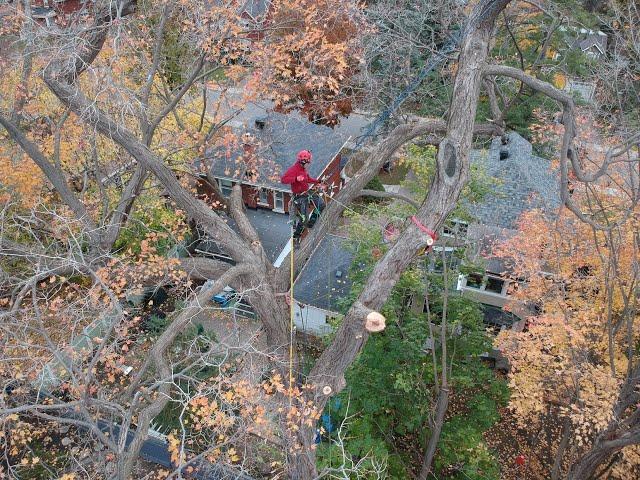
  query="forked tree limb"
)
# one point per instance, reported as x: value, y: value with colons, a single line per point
x: 53, y: 174
x: 568, y: 152
x: 246, y: 229
x: 71, y: 96
x: 158, y: 400
x: 386, y: 149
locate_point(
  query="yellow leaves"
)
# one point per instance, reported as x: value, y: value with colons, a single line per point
x: 564, y: 359
x: 20, y: 178
x: 68, y: 476
x: 559, y: 80
x: 421, y: 161
x: 175, y: 450
x: 312, y: 58
x: 233, y: 456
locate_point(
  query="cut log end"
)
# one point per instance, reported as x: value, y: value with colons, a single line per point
x: 375, y: 322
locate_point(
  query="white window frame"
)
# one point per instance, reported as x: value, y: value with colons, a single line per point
x: 483, y: 287
x: 225, y: 186
x: 278, y: 198
x: 265, y: 201
x: 455, y: 228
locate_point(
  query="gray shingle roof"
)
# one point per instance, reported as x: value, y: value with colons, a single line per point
x: 257, y: 8
x: 325, y: 278
x: 597, y: 39
x: 525, y: 181
x: 272, y: 228
x: 281, y: 138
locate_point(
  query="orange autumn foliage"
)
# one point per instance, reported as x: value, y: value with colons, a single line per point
x: 573, y: 357
x: 309, y: 58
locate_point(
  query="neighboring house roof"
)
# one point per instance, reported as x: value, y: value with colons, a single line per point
x: 279, y: 137
x: 326, y: 278
x: 272, y: 228
x: 257, y: 8
x: 524, y: 182
x: 593, y: 39
x: 484, y: 238
x: 279, y: 140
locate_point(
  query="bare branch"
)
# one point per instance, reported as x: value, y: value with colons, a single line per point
x: 399, y: 196
x: 54, y: 175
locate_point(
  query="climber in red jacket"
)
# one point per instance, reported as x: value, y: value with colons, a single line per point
x: 299, y: 179
x: 297, y: 175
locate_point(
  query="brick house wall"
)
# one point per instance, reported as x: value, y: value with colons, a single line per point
x: 62, y: 7
x: 257, y: 35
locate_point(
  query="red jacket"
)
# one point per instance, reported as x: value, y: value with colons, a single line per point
x: 291, y: 177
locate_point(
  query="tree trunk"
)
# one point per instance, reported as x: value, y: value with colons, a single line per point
x: 607, y: 444
x: 586, y: 467
x: 436, y: 427
x: 451, y: 176
x: 566, y: 435
x: 623, y: 430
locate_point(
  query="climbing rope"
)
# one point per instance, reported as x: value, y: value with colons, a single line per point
x: 291, y: 320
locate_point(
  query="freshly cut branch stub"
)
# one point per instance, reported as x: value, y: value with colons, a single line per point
x: 375, y: 322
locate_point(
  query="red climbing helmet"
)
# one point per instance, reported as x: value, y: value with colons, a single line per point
x: 304, y: 156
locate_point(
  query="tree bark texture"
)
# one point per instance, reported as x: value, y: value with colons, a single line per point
x: 452, y: 173
x: 623, y: 430
x: 436, y: 427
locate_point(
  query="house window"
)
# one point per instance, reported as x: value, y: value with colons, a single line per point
x: 495, y: 285
x: 263, y: 196
x: 225, y: 187
x: 455, y: 228
x: 278, y: 201
x: 474, y: 280
x: 487, y: 283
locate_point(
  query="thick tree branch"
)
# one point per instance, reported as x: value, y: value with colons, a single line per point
x: 55, y: 176
x: 93, y: 39
x: 197, y: 210
x: 397, y: 138
x: 200, y: 268
x: 121, y: 212
x: 237, y: 211
x: 451, y: 175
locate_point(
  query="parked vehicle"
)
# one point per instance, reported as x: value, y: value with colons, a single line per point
x: 226, y: 296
